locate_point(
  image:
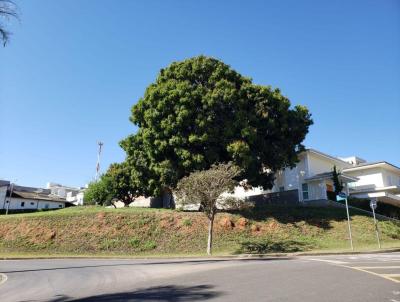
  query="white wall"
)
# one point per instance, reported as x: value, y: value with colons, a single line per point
x: 318, y: 164
x: 291, y: 179
x: 240, y: 192
x: 51, y: 204
x: 75, y: 199
x: 31, y: 204
x: 79, y: 199
x: 309, y: 165
x: 16, y: 204
x: 316, y: 190
x: 368, y: 178
x: 390, y: 178
x: 3, y: 192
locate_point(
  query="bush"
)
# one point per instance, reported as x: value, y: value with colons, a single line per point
x: 134, y: 242
x: 390, y: 229
x: 383, y: 208
x: 187, y: 222
x: 263, y: 246
x: 149, y: 245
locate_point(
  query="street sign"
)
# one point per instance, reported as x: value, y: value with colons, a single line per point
x: 341, y: 196
x: 373, y: 204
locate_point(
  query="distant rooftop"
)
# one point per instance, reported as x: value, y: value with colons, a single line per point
x: 367, y: 165
x: 37, y: 196
x: 354, y: 160
x: 4, y: 183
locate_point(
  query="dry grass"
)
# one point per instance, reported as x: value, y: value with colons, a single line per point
x: 138, y: 232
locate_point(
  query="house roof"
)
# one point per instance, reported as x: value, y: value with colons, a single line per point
x: 373, y: 165
x: 37, y: 196
x: 328, y: 156
x: 18, y: 188
x: 4, y: 183
x: 329, y: 175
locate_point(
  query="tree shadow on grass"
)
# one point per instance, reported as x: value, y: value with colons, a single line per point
x: 321, y: 217
x: 167, y: 293
x: 263, y: 246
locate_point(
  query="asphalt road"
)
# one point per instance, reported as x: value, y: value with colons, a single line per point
x: 365, y: 278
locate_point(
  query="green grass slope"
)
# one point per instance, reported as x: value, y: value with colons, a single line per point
x: 98, y: 231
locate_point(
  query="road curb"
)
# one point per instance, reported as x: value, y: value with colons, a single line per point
x: 394, y: 250
x: 3, y: 278
x: 381, y: 251
x: 238, y: 256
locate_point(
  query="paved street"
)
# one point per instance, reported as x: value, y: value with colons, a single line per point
x: 374, y: 277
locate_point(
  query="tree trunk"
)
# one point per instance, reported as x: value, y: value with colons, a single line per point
x: 210, y: 234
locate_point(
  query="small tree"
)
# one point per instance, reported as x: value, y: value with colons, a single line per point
x: 98, y: 192
x: 114, y: 184
x: 336, y: 182
x: 119, y: 178
x: 205, y: 187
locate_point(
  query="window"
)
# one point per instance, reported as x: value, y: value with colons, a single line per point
x: 389, y: 180
x: 304, y: 188
x: 22, y: 203
x: 281, y: 189
x: 32, y: 203
x: 60, y: 205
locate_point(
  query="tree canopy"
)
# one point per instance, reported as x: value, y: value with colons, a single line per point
x: 336, y: 182
x: 200, y: 112
x: 7, y: 10
x: 205, y: 188
x: 114, y: 184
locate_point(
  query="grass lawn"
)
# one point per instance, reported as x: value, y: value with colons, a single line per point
x: 137, y: 232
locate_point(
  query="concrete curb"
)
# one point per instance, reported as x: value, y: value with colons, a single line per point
x: 3, y: 278
x: 238, y: 256
x: 381, y: 251
x: 394, y: 250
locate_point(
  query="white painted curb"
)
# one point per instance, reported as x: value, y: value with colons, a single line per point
x: 3, y: 278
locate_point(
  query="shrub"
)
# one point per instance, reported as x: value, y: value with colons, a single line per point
x: 187, y: 222
x: 134, y: 242
x: 149, y: 245
x: 263, y: 246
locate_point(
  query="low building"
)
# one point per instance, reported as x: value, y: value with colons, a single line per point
x: 71, y: 194
x: 28, y: 198
x: 4, y: 185
x: 377, y: 180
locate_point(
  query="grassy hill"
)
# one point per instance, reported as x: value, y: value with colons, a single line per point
x: 139, y: 232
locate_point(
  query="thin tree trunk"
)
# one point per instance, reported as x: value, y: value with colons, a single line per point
x: 210, y: 234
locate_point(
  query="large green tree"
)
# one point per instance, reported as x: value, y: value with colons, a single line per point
x: 8, y: 10
x: 200, y: 112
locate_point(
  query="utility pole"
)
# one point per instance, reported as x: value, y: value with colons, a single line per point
x: 343, y: 196
x: 98, y: 160
x: 9, y: 201
x: 349, y: 224
x: 373, y: 204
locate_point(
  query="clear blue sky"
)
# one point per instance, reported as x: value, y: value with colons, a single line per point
x: 73, y: 69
